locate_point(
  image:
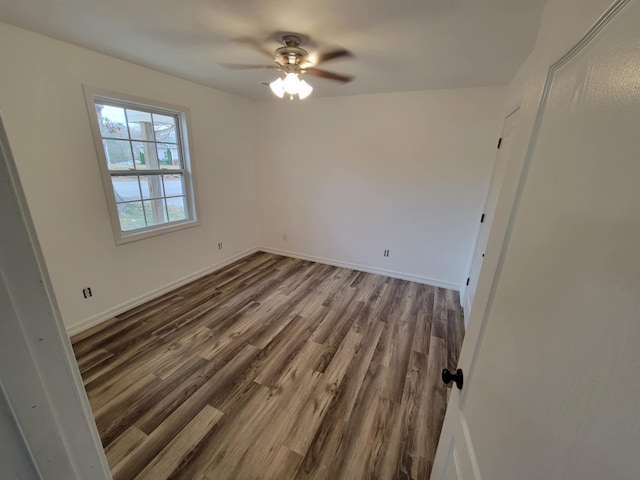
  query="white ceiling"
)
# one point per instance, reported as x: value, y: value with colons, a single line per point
x: 399, y: 45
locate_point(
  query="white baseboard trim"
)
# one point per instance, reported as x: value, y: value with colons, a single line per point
x: 123, y: 307
x: 363, y: 268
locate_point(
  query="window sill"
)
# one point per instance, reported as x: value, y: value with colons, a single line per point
x: 134, y: 236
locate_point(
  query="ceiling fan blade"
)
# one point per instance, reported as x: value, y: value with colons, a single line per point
x: 254, y: 45
x: 239, y: 66
x: 329, y: 75
x: 332, y: 55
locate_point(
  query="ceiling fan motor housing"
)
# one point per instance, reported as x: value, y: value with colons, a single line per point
x: 291, y: 40
x: 291, y: 53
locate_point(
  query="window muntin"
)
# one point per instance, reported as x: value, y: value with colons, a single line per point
x: 145, y: 160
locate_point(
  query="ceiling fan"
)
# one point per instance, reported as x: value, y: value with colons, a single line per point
x: 293, y: 61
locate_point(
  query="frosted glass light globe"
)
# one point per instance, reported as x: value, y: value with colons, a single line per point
x: 304, y: 90
x: 277, y: 87
x: 291, y: 83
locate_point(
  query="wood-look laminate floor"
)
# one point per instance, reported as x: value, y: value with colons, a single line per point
x: 275, y: 368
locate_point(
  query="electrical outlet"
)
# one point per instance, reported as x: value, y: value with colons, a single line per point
x: 219, y: 245
x: 86, y: 292
x: 385, y: 253
x: 284, y: 237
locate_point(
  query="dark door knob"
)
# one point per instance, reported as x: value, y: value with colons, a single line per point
x: 448, y: 377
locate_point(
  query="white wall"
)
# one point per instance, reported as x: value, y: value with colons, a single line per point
x: 42, y: 103
x: 345, y: 178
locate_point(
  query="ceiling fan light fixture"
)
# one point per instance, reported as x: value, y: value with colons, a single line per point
x: 304, y: 90
x: 277, y: 87
x: 292, y: 62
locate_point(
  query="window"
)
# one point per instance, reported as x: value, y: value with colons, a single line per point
x: 144, y: 159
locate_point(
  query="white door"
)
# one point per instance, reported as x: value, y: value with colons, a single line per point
x: 552, y: 369
x: 506, y: 141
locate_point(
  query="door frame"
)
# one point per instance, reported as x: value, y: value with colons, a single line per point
x: 466, y: 305
x: 41, y: 377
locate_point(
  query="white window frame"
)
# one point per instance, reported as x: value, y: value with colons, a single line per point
x: 93, y: 95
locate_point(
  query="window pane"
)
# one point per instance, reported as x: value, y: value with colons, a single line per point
x: 125, y: 188
x: 165, y: 128
x: 140, y: 125
x: 131, y: 216
x: 145, y: 155
x: 155, y: 211
x: 146, y: 166
x: 118, y: 153
x: 177, y: 208
x: 151, y: 186
x: 174, y: 185
x: 112, y: 121
x: 169, y: 156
